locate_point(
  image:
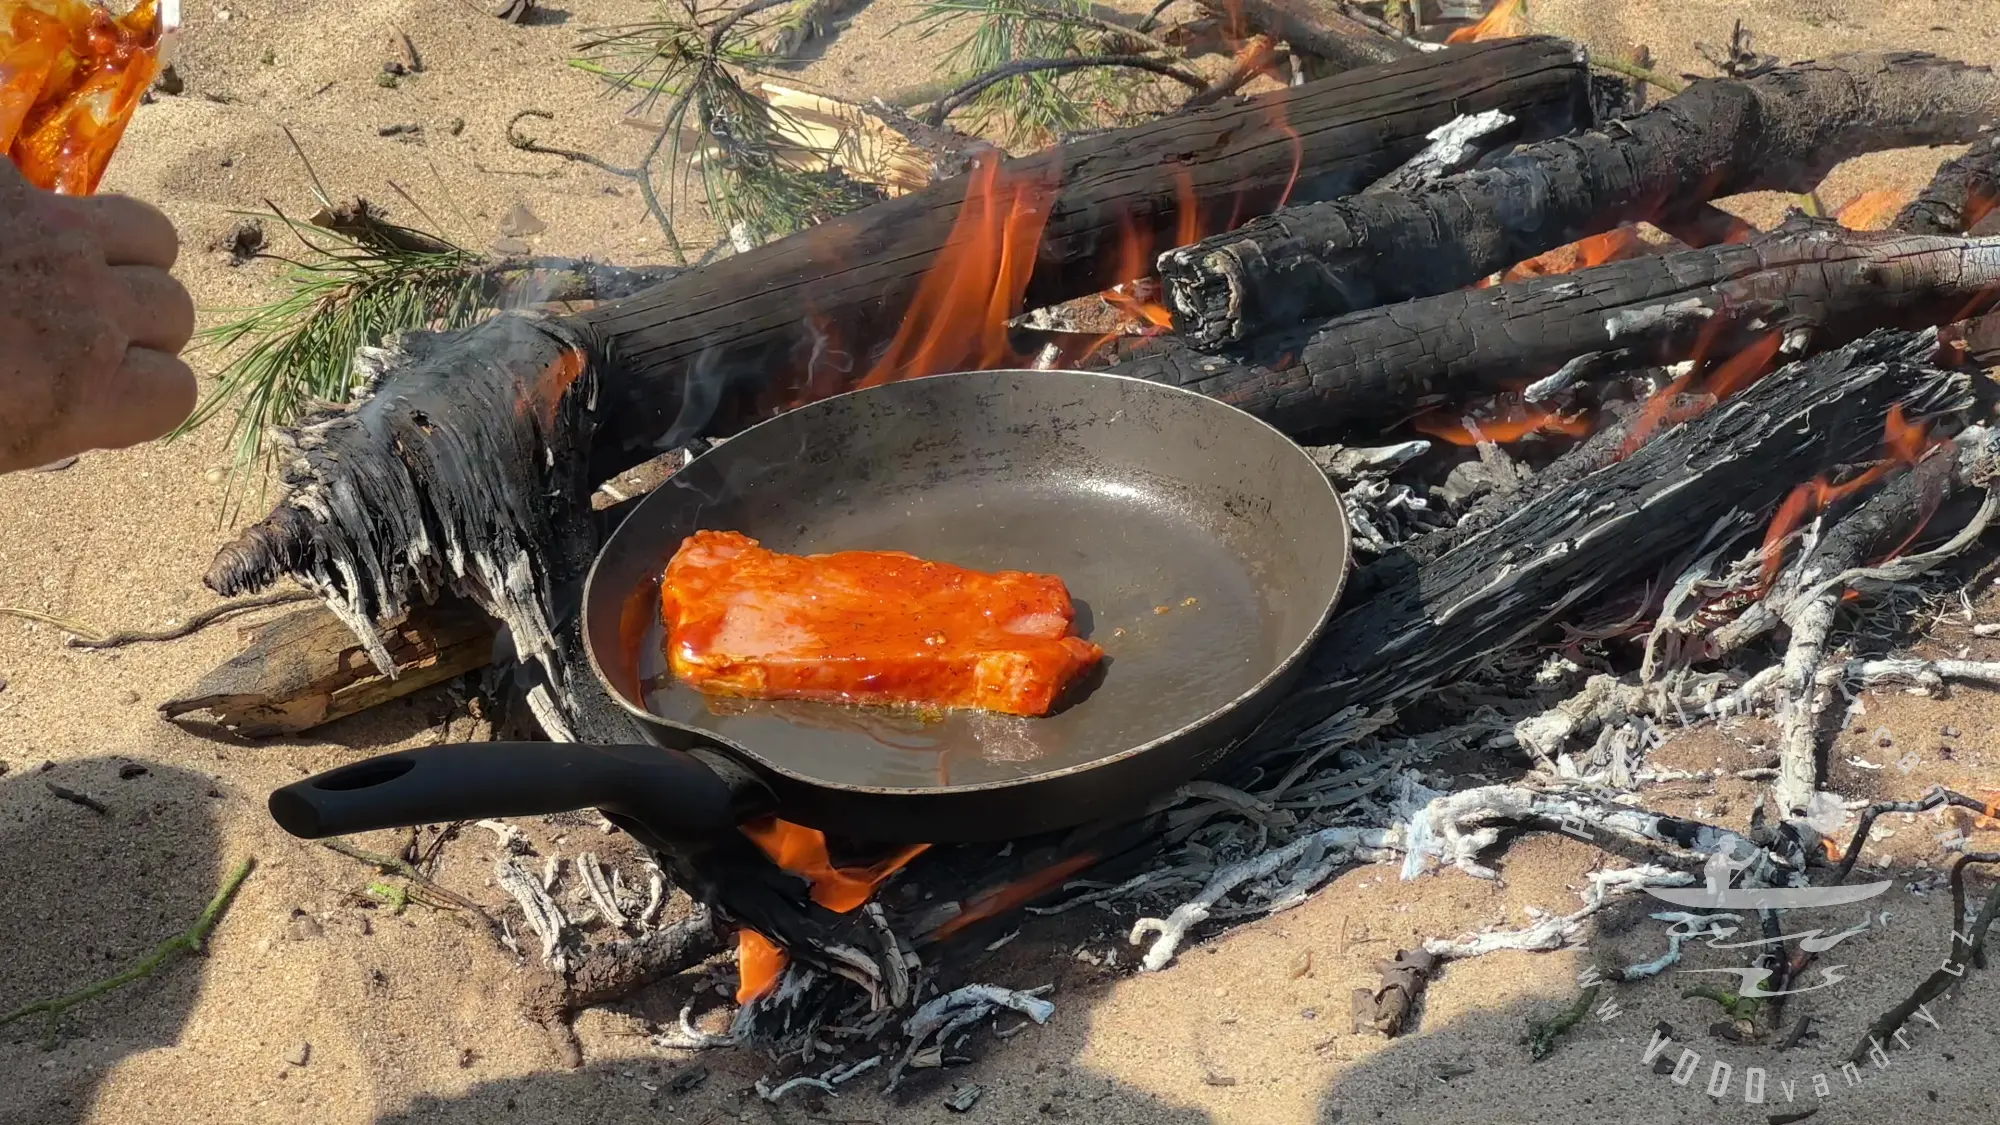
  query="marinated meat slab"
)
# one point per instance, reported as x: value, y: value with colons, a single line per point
x: 872, y: 627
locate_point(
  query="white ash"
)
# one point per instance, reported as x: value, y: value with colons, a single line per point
x: 1554, y: 931
x: 544, y: 917
x: 1168, y: 933
x: 1676, y: 936
x: 1453, y: 146
x: 598, y: 887
x: 940, y: 1017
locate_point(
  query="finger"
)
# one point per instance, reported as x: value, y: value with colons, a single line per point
x: 161, y: 314
x: 152, y: 393
x: 132, y: 233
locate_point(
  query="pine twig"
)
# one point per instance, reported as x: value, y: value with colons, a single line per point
x: 1968, y: 946
x: 424, y: 886
x: 192, y: 940
x: 1544, y: 1034
x: 944, y: 106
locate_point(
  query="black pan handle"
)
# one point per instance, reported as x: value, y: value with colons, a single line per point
x: 671, y: 793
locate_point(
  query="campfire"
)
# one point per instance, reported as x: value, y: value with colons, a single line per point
x: 1615, y: 463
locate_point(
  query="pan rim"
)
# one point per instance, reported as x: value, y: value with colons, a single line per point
x: 1278, y: 670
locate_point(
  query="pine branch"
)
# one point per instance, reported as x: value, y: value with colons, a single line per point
x: 188, y: 941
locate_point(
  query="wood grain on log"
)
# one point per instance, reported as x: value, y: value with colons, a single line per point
x: 747, y: 322
x: 1780, y: 131
x: 1727, y: 468
x: 306, y: 669
x: 1383, y: 364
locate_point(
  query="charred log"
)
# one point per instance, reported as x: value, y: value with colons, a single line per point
x: 1728, y: 467
x: 444, y: 478
x: 747, y: 330
x: 1962, y: 197
x: 441, y: 480
x: 1811, y: 282
x: 1783, y: 131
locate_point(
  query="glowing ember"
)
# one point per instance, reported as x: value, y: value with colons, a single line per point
x: 1903, y: 444
x: 1977, y: 207
x: 1614, y: 245
x: 1015, y: 894
x: 1871, y: 210
x: 1507, y: 19
x: 802, y: 851
x: 70, y: 76
x: 958, y: 320
x: 1516, y: 423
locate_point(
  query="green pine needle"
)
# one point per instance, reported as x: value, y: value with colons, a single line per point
x: 350, y: 289
x: 1030, y: 110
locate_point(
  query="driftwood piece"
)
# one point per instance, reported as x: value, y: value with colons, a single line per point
x: 1323, y: 35
x: 1963, y: 197
x: 1723, y: 471
x: 1813, y: 283
x: 306, y: 669
x: 1781, y: 131
x: 1388, y: 1009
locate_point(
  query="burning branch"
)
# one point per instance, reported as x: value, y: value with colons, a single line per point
x: 1808, y: 284
x: 1783, y: 131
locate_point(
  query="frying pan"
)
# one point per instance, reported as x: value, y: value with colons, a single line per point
x: 1204, y: 552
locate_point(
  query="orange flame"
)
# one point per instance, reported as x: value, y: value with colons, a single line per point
x: 1614, y: 245
x: 1519, y: 422
x: 802, y: 851
x: 1507, y: 19
x: 759, y: 964
x: 1871, y: 210
x: 1977, y: 207
x: 71, y: 74
x: 1014, y: 894
x: 1903, y: 444
x: 1665, y: 409
x: 958, y: 320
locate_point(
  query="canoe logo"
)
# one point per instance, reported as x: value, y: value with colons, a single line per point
x: 1715, y: 929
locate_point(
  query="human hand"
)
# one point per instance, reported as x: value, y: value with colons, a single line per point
x: 91, y: 324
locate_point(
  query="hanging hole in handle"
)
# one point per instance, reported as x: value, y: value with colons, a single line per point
x: 363, y: 775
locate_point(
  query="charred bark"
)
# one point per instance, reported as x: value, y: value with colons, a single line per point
x: 1782, y: 131
x: 1428, y: 623
x: 1964, y: 195
x: 441, y: 480
x: 1815, y: 283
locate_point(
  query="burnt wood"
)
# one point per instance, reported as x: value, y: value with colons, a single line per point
x: 1814, y: 281
x: 1963, y: 196
x: 747, y: 329
x: 1729, y: 466
x: 1781, y: 131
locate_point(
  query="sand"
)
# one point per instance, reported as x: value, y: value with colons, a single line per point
x: 413, y: 1017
